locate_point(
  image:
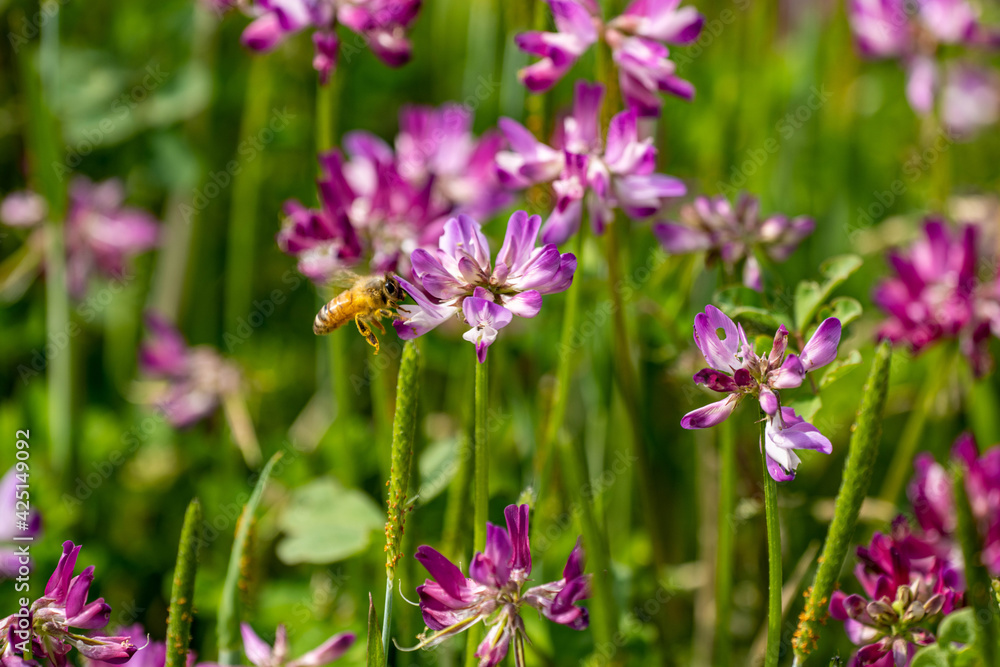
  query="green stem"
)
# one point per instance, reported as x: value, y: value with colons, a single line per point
x: 854, y: 485
x: 246, y: 196
x: 567, y: 358
x: 725, y: 542
x: 182, y: 595
x: 229, y: 616
x: 979, y: 587
x: 481, y: 480
x: 773, y: 557
x: 902, y: 460
x: 604, y: 617
x: 403, y: 428
x: 628, y: 385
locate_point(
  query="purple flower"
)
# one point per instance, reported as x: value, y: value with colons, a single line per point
x: 736, y: 370
x: 10, y: 558
x: 189, y: 383
x: 729, y: 234
x: 261, y: 654
x: 494, y: 592
x: 907, y: 589
x: 23, y: 209
x: 636, y: 39
x: 382, y: 24
x: 378, y: 206
x: 150, y: 653
x: 458, y: 276
x: 62, y: 608
x: 912, y: 32
x: 936, y: 295
x: 100, y: 233
x: 930, y: 492
x: 619, y: 174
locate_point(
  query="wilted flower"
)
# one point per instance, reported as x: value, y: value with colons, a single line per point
x: 261, y: 654
x: 583, y: 169
x: 458, y: 277
x: 100, y: 233
x: 11, y: 527
x: 736, y: 370
x: 54, y: 616
x: 730, y: 233
x: 493, y: 593
x: 936, y: 295
x: 636, y: 39
x: 191, y: 382
x: 381, y: 23
x: 933, y: 501
x: 379, y: 205
x: 913, y: 32
x: 908, y: 590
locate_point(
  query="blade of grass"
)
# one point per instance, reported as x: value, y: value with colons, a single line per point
x: 229, y: 617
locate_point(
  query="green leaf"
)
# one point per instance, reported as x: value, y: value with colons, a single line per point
x: 958, y: 627
x: 375, y: 655
x: 838, y: 269
x: 840, y: 368
x: 806, y: 407
x: 325, y: 523
x: 229, y: 617
x: 755, y: 320
x: 810, y: 295
x: 438, y: 464
x: 863, y: 450
x: 931, y: 656
x: 846, y: 309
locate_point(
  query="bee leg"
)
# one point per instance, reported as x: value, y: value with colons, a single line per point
x: 378, y: 324
x: 366, y: 332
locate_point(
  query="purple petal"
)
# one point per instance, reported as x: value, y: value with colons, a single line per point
x: 23, y: 209
x: 58, y: 583
x: 445, y: 573
x: 789, y: 375
x: 711, y: 414
x: 257, y: 650
x: 525, y: 304
x: 517, y: 526
x: 768, y: 400
x: 720, y: 353
x: 680, y: 239
x: 519, y: 241
x: 822, y: 347
x: 327, y: 652
x: 715, y: 380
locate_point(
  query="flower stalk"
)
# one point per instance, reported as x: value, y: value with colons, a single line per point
x: 403, y: 428
x: 246, y: 195
x: 481, y: 477
x: 182, y: 595
x: 773, y: 556
x: 854, y: 486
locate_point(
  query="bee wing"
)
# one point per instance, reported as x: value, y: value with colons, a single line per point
x: 341, y: 280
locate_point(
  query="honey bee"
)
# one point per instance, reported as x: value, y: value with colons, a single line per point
x: 366, y: 301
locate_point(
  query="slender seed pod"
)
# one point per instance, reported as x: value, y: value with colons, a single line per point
x: 866, y: 433
x: 182, y: 595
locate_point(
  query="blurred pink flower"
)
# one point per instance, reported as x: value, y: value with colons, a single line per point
x: 937, y: 294
x: 379, y: 205
x: 585, y: 169
x: 382, y: 24
x: 637, y: 40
